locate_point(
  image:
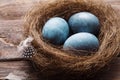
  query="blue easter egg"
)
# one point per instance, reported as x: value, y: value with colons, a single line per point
x: 82, y: 41
x: 84, y: 22
x: 56, y: 30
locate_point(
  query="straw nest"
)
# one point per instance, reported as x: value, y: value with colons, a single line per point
x: 55, y: 63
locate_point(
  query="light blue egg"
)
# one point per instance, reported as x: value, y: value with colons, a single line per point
x: 56, y: 30
x: 84, y: 22
x: 82, y: 41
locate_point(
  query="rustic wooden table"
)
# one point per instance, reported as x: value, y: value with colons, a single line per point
x: 11, y: 33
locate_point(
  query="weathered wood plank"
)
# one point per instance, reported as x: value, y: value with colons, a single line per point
x: 19, y: 68
x: 25, y: 68
x: 11, y: 33
x: 111, y: 72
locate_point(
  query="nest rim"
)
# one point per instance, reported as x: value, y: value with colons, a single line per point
x: 109, y: 36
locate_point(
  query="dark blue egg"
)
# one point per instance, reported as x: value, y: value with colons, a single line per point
x: 56, y: 30
x: 82, y: 41
x: 84, y: 22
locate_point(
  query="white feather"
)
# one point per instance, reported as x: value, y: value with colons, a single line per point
x: 24, y: 44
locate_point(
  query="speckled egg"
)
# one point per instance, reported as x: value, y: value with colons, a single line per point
x: 56, y: 30
x: 84, y: 22
x: 82, y: 41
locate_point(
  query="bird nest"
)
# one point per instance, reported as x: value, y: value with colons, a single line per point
x: 52, y: 61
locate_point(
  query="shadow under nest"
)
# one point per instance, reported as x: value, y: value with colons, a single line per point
x: 52, y: 61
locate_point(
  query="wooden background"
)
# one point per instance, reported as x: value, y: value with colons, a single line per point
x: 11, y: 33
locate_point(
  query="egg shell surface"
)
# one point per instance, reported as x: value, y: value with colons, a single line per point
x: 56, y: 30
x: 84, y: 22
x: 82, y: 41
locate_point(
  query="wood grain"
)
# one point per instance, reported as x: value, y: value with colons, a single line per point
x: 12, y: 13
x: 23, y: 68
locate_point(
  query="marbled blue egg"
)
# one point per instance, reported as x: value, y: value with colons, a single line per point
x: 84, y: 22
x: 56, y: 30
x: 82, y: 41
